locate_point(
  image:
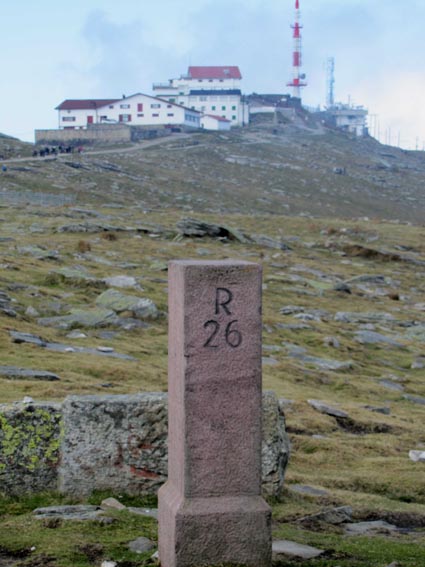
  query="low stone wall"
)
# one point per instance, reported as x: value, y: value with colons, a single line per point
x: 97, y: 134
x: 108, y: 443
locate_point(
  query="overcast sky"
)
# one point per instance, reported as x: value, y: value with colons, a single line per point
x: 52, y: 50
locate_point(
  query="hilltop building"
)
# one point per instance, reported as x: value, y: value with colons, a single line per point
x: 214, y: 91
x: 135, y: 110
x: 352, y: 119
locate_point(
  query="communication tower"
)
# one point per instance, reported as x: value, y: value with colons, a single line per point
x: 298, y: 78
x: 330, y: 82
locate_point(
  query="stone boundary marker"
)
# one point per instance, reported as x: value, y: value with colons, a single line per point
x: 210, y: 509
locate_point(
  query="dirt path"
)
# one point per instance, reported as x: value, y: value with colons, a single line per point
x: 134, y: 148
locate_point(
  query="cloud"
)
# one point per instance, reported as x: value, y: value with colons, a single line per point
x: 123, y: 57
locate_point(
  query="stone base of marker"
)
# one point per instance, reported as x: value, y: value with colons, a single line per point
x: 212, y: 531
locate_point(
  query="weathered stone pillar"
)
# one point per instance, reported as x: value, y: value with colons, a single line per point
x: 210, y: 509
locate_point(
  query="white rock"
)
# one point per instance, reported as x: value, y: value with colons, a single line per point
x: 121, y: 281
x: 69, y: 349
x: 105, y: 349
x: 417, y: 456
x: 27, y: 400
x: 112, y: 503
x: 108, y: 564
x: 76, y: 335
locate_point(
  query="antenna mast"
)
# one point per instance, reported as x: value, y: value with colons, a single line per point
x: 330, y: 99
x: 298, y: 80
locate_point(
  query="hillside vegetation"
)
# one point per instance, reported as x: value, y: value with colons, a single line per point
x: 338, y: 225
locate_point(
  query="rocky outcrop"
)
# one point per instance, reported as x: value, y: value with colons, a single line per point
x: 108, y: 443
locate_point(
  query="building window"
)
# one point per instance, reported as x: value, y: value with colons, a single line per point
x: 141, y: 115
x: 155, y: 115
x: 172, y: 99
x: 223, y: 108
x: 125, y: 118
x: 203, y: 98
x: 155, y: 105
x: 169, y: 106
x: 233, y: 107
x: 213, y: 108
x: 124, y: 106
x: 68, y: 118
x: 181, y: 94
x: 170, y: 114
x: 199, y: 80
x: 140, y: 107
x: 111, y: 106
x: 233, y: 117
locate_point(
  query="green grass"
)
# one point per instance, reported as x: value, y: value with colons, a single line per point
x: 364, y: 462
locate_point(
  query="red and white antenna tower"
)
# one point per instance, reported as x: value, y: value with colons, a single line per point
x: 298, y: 80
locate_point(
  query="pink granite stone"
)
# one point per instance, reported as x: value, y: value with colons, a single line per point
x: 211, y: 510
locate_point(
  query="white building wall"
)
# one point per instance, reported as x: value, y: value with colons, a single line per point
x: 211, y: 123
x: 76, y: 118
x: 136, y: 110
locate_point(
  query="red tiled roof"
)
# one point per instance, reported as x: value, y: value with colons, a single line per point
x: 219, y: 118
x: 86, y: 104
x: 214, y: 73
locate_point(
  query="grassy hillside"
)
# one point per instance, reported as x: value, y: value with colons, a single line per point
x: 344, y: 312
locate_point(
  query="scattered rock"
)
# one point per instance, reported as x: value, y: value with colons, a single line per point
x: 373, y: 338
x: 112, y: 504
x: 417, y: 456
x: 31, y: 312
x: 59, y: 347
x: 141, y: 545
x: 391, y: 385
x: 92, y: 317
x: 383, y: 410
x: 415, y: 399
x: 78, y: 513
x: 322, y: 407
x: 197, y: 228
x: 418, y: 364
x: 333, y: 516
x: 292, y: 309
x: 142, y: 308
x: 76, y: 335
x: 14, y: 373
x: 358, y: 250
x: 6, y: 305
x: 367, y: 317
x: 323, y: 363
x: 369, y: 528
x: 38, y: 252
x: 284, y: 548
x: 20, y: 338
x: 74, y: 277
x: 268, y: 242
x: 342, y: 286
x: 122, y: 282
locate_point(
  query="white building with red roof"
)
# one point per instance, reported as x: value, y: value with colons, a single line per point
x: 135, y: 110
x: 210, y: 90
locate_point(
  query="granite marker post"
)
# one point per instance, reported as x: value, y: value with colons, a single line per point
x: 210, y: 509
